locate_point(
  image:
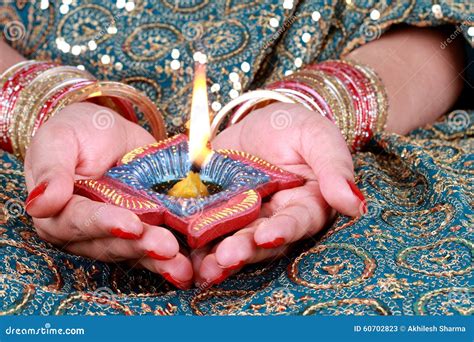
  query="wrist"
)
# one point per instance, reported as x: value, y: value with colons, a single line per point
x: 90, y: 117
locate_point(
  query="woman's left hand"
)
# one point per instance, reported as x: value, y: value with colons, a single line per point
x: 300, y: 141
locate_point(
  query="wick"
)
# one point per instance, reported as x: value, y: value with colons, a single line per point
x: 196, y: 168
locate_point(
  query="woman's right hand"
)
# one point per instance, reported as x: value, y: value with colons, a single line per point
x: 83, y: 141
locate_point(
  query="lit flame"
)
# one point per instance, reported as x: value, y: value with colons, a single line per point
x: 199, y: 123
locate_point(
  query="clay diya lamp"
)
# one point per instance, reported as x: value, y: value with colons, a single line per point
x: 182, y: 184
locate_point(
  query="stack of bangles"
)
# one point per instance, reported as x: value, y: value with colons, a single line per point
x: 31, y: 92
x: 350, y: 95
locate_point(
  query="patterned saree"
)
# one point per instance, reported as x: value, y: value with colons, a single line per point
x: 412, y: 254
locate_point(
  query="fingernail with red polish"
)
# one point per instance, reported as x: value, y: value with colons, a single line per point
x: 232, y: 267
x: 272, y: 244
x: 124, y: 235
x: 236, y: 266
x: 179, y: 284
x: 157, y: 256
x: 35, y: 193
x: 356, y: 191
x: 221, y: 278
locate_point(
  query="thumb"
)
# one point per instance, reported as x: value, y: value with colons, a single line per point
x: 49, y: 170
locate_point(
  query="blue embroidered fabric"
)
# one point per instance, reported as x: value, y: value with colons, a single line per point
x: 412, y: 254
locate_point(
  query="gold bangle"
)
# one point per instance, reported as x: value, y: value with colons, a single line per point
x: 152, y: 113
x: 44, y: 90
x: 344, y: 99
x: 317, y: 82
x: 244, y: 109
x: 382, y: 98
x: 27, y: 104
x: 30, y: 125
x: 379, y: 89
x: 112, y: 89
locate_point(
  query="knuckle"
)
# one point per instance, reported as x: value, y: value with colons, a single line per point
x: 43, y: 233
x: 77, y: 219
x: 113, y: 254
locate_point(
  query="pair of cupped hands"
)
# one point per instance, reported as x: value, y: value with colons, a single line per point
x: 72, y: 146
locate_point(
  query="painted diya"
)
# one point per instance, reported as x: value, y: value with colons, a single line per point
x: 184, y: 185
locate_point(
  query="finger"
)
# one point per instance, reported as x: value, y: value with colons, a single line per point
x: 309, y: 136
x: 240, y: 249
x: 156, y: 243
x: 233, y: 258
x: 159, y: 243
x: 296, y: 214
x: 49, y: 170
x: 211, y: 273
x: 212, y: 268
x: 197, y: 256
x: 235, y: 251
x: 84, y: 219
x: 178, y: 271
x: 324, y: 149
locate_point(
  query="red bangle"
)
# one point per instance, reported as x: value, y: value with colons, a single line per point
x: 365, y: 94
x: 359, y: 103
x: 9, y: 94
x: 53, y: 100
